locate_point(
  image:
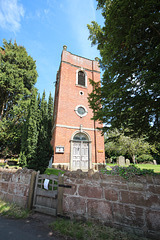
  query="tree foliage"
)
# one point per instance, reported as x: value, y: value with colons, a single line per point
x: 30, y: 132
x: 117, y: 143
x: 44, y: 149
x: 36, y: 150
x: 17, y: 78
x: 129, y: 45
x: 25, y: 118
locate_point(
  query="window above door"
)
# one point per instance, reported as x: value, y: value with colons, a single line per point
x: 80, y: 137
x: 81, y: 111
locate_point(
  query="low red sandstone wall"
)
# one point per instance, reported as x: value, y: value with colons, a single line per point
x: 14, y: 185
x: 131, y: 205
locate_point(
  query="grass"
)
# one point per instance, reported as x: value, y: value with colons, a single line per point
x: 53, y: 171
x: 156, y: 168
x: 12, y: 210
x: 78, y: 230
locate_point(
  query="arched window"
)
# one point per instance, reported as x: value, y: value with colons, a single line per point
x: 81, y: 78
x: 80, y: 137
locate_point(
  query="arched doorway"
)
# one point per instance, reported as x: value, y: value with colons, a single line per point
x: 80, y: 151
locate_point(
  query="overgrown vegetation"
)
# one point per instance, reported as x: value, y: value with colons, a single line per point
x: 128, y: 172
x: 78, y: 230
x: 12, y: 210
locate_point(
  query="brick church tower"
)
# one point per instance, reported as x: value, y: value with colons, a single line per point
x: 76, y: 141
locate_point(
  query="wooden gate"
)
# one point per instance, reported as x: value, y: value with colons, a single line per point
x: 46, y: 194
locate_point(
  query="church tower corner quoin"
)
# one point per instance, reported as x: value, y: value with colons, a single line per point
x: 77, y: 143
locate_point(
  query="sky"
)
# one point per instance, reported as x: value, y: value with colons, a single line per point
x: 44, y: 26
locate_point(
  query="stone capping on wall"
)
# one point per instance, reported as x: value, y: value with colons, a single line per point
x: 131, y: 205
x: 15, y: 185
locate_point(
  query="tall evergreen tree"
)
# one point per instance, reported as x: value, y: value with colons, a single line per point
x: 50, y: 115
x: 44, y: 150
x: 42, y: 145
x: 36, y: 151
x: 17, y: 77
x: 50, y: 123
x: 30, y: 133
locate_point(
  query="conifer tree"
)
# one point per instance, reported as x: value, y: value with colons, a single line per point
x: 42, y: 154
x: 44, y: 150
x: 36, y: 150
x: 50, y: 123
x: 30, y: 134
x: 50, y: 115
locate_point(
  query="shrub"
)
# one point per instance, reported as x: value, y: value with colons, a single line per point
x: 127, y: 172
x: 144, y: 158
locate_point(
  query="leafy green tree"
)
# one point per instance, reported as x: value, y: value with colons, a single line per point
x: 25, y: 118
x: 118, y: 143
x: 17, y: 77
x: 129, y: 45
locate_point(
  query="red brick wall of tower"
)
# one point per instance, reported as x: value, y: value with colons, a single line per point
x: 67, y: 97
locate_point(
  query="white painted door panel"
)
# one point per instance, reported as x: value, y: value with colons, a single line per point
x: 80, y: 156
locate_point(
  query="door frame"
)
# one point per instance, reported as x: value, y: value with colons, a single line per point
x: 89, y: 149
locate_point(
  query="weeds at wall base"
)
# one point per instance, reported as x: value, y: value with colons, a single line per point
x: 12, y: 210
x: 79, y: 230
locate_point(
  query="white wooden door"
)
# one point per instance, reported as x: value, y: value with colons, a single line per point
x: 76, y: 155
x: 84, y: 156
x: 80, y: 156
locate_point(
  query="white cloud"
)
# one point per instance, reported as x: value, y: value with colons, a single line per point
x: 46, y: 11
x: 11, y: 12
x: 37, y: 14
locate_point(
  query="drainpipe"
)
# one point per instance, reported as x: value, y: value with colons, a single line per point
x: 95, y: 139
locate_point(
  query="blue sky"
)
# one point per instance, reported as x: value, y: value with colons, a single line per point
x: 44, y: 26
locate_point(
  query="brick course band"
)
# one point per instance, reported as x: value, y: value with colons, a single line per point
x: 73, y: 127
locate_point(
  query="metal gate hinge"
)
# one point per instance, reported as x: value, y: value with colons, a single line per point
x: 65, y: 186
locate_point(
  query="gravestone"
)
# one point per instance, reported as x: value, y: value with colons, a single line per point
x: 127, y: 162
x: 50, y: 163
x: 121, y: 161
x: 154, y: 162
